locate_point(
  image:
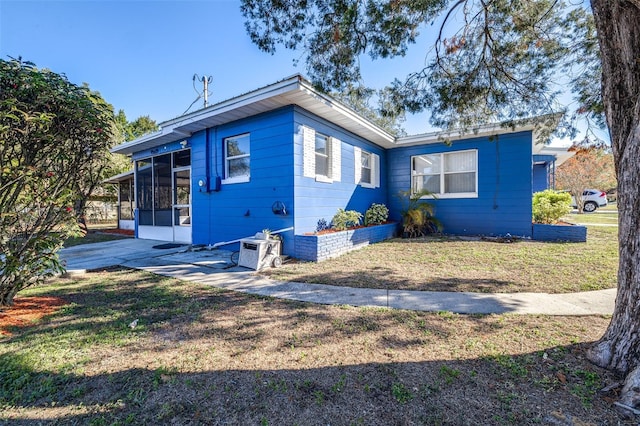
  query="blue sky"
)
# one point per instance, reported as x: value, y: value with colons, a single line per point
x: 142, y: 55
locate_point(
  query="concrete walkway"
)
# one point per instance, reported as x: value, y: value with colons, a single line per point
x: 213, y: 267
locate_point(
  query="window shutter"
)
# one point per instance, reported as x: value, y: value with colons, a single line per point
x: 308, y: 152
x: 375, y: 170
x: 357, y: 155
x: 336, y: 159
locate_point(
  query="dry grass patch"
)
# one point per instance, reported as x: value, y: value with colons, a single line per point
x: 454, y: 264
x: 199, y: 355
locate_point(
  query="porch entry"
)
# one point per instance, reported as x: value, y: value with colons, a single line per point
x: 163, y: 197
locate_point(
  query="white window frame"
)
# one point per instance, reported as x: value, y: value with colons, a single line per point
x: 237, y: 179
x: 443, y: 173
x: 334, y: 156
x: 364, y: 154
x: 328, y: 156
x: 374, y: 167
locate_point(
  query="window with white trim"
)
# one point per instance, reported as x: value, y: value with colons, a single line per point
x: 366, y: 168
x: 237, y: 156
x: 447, y: 174
x: 366, y: 164
x: 321, y: 156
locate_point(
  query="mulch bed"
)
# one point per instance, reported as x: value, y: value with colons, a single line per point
x: 128, y: 232
x: 26, y: 310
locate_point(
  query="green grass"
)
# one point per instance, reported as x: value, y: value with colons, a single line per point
x: 92, y: 237
x: 607, y: 218
x: 202, y: 353
x: 454, y: 264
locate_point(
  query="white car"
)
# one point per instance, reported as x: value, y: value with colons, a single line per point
x: 592, y: 199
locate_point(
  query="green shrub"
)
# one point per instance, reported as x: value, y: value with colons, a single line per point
x: 417, y: 216
x: 550, y: 205
x: 345, y: 219
x: 376, y: 214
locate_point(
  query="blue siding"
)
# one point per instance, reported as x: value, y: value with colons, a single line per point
x: 542, y: 171
x: 318, y: 200
x: 506, y: 180
x: 540, y: 177
x: 503, y: 204
x: 241, y: 209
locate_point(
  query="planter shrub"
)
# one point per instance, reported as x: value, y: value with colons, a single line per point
x: 549, y: 206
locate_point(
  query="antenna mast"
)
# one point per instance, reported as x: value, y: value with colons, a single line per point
x: 205, y: 81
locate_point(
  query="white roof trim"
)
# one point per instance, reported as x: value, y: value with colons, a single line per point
x: 560, y: 153
x: 291, y: 91
x: 491, y: 129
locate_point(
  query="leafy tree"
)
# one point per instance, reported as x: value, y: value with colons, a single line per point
x: 360, y: 99
x: 53, y: 136
x: 590, y: 167
x: 499, y: 63
x: 131, y: 130
x: 126, y: 131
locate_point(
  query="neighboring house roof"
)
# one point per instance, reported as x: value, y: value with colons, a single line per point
x: 122, y: 177
x: 561, y: 154
x: 294, y: 90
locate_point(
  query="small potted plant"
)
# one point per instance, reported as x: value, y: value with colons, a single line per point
x: 264, y: 235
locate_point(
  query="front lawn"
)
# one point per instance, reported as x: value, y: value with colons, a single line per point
x: 92, y: 237
x: 475, y: 265
x: 129, y: 347
x: 597, y: 218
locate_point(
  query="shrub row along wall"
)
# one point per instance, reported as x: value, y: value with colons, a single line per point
x: 326, y: 246
x: 571, y: 233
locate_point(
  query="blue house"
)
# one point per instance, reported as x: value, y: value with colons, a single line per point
x: 284, y: 156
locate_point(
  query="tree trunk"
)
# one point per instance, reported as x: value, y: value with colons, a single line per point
x: 7, y: 293
x: 618, y: 26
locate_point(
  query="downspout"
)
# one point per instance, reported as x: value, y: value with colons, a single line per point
x: 217, y: 180
x: 207, y: 165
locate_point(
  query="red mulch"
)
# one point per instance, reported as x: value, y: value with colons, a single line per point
x: 333, y: 231
x: 26, y: 310
x: 128, y: 232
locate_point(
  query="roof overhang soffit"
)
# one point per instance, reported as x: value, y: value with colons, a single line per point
x: 293, y: 91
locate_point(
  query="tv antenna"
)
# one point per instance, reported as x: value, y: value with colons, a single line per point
x: 205, y: 80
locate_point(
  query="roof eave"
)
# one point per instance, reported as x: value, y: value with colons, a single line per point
x: 551, y: 122
x: 285, y: 92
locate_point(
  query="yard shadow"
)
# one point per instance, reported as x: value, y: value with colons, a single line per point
x: 501, y: 390
x: 199, y: 355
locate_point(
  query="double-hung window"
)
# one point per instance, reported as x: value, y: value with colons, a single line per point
x: 323, y: 155
x: 236, y: 159
x: 322, y: 158
x: 366, y: 164
x: 366, y: 168
x: 446, y: 175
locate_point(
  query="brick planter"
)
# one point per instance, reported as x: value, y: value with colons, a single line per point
x: 326, y: 246
x: 570, y: 233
